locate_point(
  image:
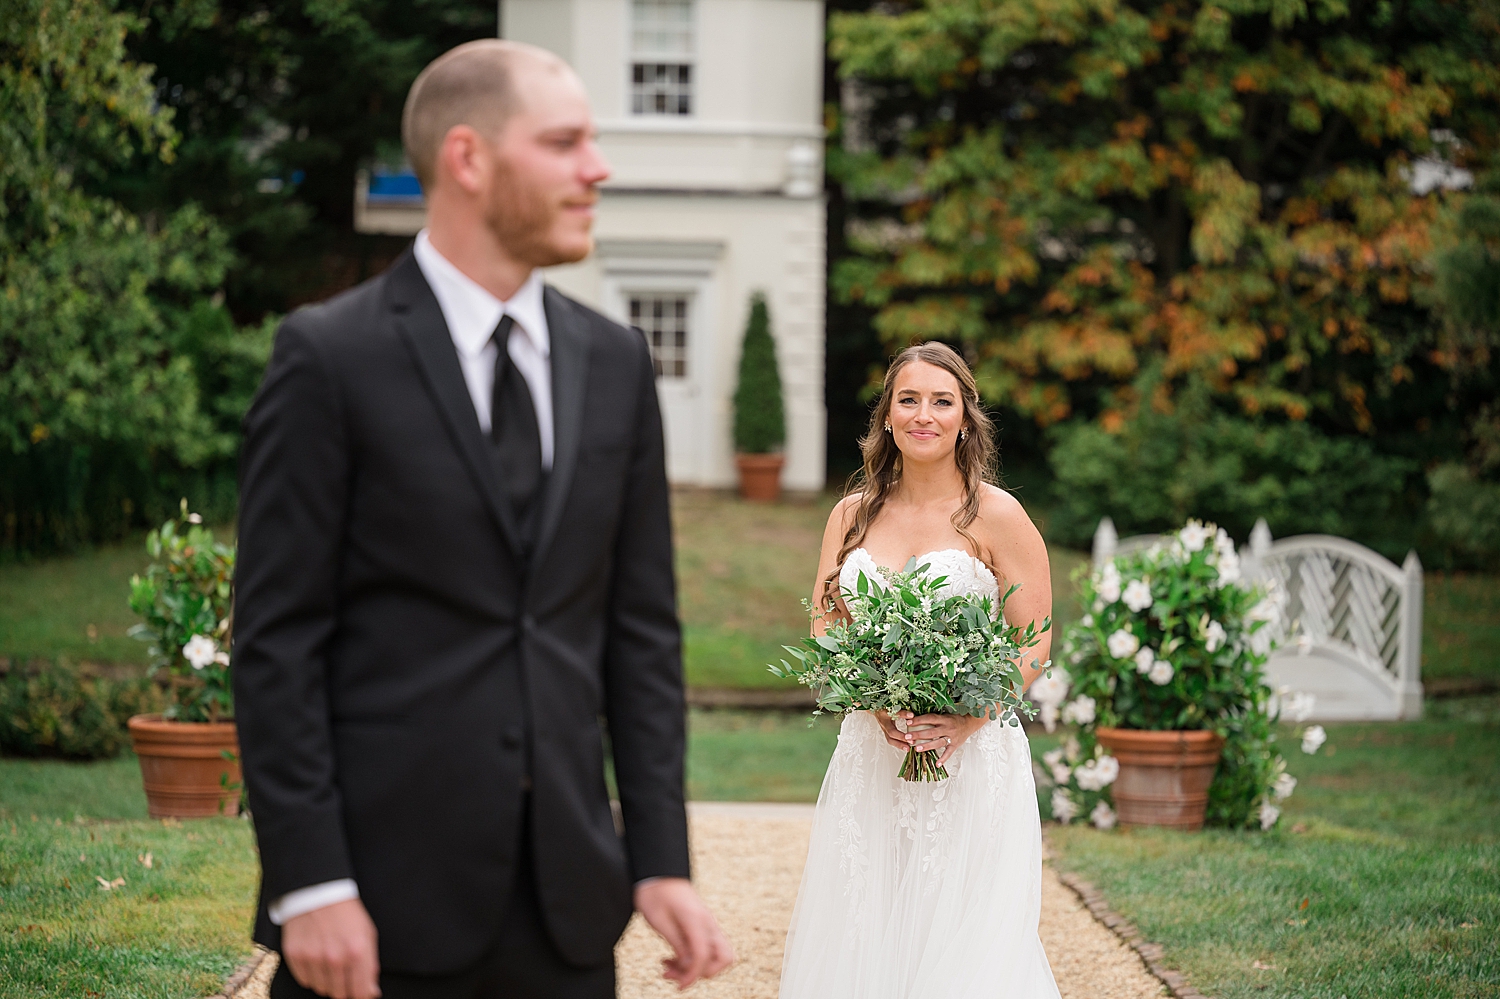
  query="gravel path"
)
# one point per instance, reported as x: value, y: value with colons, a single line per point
x: 748, y: 863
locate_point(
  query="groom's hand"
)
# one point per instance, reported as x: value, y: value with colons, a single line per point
x: 673, y: 908
x: 332, y: 951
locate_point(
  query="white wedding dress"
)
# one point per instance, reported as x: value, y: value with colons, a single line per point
x: 922, y: 890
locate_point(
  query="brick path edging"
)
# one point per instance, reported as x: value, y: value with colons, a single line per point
x: 1151, y: 954
x: 243, y: 974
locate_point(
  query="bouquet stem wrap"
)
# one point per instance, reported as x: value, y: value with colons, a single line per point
x: 908, y: 646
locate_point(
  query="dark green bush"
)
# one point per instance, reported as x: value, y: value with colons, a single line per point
x: 53, y: 709
x: 1162, y: 469
x: 759, y: 418
x: 1464, y: 514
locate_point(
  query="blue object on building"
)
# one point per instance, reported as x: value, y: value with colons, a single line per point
x: 394, y: 188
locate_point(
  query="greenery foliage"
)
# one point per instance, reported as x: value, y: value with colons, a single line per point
x: 1172, y: 642
x: 102, y: 407
x: 52, y: 709
x: 909, y: 646
x: 1159, y: 469
x: 759, y: 416
x: 1120, y: 209
x: 185, y: 601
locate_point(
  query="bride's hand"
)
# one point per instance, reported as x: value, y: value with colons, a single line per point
x: 944, y: 733
x: 888, y: 727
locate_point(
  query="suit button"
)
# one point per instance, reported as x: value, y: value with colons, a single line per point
x: 511, y: 739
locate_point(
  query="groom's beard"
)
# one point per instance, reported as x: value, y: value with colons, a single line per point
x: 524, y: 219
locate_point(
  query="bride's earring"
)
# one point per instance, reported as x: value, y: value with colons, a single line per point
x: 887, y: 426
x: 963, y: 433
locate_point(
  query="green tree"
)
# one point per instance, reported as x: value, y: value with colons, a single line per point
x: 759, y: 417
x: 278, y: 105
x: 96, y: 405
x: 1108, y: 204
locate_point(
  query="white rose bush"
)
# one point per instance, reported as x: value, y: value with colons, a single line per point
x: 1173, y: 640
x: 184, y: 601
x: 909, y: 647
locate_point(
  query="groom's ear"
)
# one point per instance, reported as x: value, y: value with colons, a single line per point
x: 465, y: 159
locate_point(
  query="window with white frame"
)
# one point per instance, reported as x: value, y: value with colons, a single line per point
x: 661, y: 63
x: 664, y: 318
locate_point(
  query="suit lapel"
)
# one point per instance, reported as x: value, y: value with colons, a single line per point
x: 420, y: 320
x: 570, y: 356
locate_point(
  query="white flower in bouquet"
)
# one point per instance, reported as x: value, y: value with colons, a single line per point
x: 1223, y: 544
x: 1071, y: 749
x: 1064, y: 809
x: 1080, y: 711
x: 1088, y: 620
x: 1284, y: 786
x: 1313, y: 739
x: 1214, y: 636
x: 1108, y: 586
x: 1194, y: 536
x: 1144, y: 659
x: 1161, y: 673
x: 1122, y: 644
x: 1102, y: 816
x: 1096, y: 775
x: 1269, y: 813
x: 1300, y: 708
x: 1138, y: 595
x: 200, y: 650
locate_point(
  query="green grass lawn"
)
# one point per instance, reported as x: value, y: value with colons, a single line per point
x: 72, y: 607
x: 1461, y: 626
x: 1382, y: 880
x: 174, y: 929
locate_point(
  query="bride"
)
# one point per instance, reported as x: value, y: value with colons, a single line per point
x: 926, y: 890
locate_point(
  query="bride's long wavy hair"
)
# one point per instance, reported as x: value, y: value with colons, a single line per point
x: 975, y: 456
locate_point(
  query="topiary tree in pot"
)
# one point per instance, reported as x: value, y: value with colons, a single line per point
x: 759, y: 417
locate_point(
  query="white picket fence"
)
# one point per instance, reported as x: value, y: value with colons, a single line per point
x: 1350, y: 630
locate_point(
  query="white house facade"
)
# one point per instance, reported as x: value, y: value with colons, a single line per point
x: 710, y: 113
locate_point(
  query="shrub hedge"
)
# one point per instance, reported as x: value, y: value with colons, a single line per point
x: 57, y: 709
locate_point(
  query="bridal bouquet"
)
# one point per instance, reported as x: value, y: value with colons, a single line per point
x: 907, y: 647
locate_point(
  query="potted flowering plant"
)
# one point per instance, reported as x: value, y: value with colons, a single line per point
x: 1165, y: 684
x: 189, y: 752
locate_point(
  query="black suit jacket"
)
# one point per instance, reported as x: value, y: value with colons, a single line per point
x: 398, y: 665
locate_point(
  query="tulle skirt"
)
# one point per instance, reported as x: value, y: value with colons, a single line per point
x: 922, y: 890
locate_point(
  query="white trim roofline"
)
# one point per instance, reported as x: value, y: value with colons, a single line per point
x: 666, y: 125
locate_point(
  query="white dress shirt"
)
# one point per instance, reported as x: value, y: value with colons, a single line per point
x: 472, y: 315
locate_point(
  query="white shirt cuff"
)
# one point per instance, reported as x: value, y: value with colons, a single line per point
x: 305, y: 900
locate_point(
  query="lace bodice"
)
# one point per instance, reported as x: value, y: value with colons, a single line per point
x: 966, y: 574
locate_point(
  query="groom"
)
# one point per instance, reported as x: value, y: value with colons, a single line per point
x: 455, y: 591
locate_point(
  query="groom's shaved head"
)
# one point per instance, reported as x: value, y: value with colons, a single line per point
x: 475, y: 84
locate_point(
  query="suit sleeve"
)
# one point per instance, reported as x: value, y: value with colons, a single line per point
x: 643, y: 659
x: 294, y: 484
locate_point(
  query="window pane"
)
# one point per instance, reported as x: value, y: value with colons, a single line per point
x: 664, y: 319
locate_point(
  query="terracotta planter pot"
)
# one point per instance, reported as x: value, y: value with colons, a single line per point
x: 760, y: 476
x: 1164, y: 776
x: 184, y: 769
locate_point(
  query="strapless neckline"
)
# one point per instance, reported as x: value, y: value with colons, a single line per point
x: 965, y: 573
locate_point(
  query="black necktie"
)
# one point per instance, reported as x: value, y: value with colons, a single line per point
x: 513, y: 428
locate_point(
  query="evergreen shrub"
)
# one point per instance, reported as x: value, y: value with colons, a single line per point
x: 56, y: 709
x: 759, y: 417
x: 1160, y: 469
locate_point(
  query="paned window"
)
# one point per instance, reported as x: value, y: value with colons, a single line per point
x: 664, y: 318
x: 661, y: 67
